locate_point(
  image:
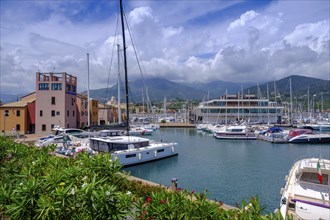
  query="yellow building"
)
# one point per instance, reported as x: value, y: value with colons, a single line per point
x: 94, y: 111
x: 18, y: 117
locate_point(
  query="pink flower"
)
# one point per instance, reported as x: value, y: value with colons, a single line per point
x: 148, y: 200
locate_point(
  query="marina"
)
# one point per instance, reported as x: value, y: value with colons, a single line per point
x: 230, y: 170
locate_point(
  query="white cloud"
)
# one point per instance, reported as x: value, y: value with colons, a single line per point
x: 178, y: 40
x: 241, y: 22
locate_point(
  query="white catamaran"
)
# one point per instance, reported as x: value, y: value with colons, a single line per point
x: 131, y: 150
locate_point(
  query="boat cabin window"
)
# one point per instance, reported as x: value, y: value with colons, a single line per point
x: 141, y: 144
x: 130, y: 155
x: 313, y: 178
x: 161, y: 150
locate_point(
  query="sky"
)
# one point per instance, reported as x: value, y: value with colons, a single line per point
x: 178, y: 40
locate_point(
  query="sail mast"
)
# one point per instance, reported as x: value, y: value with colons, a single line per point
x: 88, y: 96
x: 125, y: 64
x: 118, y: 86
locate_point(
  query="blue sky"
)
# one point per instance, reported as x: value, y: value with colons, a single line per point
x: 183, y: 41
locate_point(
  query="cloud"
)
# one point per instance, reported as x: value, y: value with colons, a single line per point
x: 183, y: 41
x: 241, y: 22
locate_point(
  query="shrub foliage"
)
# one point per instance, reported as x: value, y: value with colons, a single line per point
x: 35, y: 184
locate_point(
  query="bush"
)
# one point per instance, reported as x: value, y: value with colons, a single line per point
x: 34, y: 184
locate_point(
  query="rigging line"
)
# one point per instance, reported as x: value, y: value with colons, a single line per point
x: 139, y: 65
x: 111, y: 60
x: 140, y: 69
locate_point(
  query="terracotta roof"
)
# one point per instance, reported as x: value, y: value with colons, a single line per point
x: 17, y: 104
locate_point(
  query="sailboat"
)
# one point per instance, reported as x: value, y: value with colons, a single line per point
x: 132, y: 150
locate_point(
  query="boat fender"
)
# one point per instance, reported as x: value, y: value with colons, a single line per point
x: 155, y: 153
x: 172, y: 149
x: 139, y: 156
x: 282, y: 191
x: 286, y: 177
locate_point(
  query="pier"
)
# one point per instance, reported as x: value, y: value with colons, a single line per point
x: 176, y: 125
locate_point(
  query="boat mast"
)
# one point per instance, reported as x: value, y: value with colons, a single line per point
x: 119, y: 109
x: 88, y: 97
x: 291, y: 108
x: 125, y: 64
x: 267, y: 104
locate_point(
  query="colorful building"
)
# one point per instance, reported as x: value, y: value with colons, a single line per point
x: 18, y: 117
x: 56, y: 101
x: 82, y: 111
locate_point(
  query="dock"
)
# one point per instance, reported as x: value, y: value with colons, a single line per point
x: 176, y: 125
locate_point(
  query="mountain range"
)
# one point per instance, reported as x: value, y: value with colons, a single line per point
x: 159, y: 88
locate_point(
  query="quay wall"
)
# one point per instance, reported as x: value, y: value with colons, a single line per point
x: 176, y: 125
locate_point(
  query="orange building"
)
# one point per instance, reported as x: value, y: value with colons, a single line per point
x: 18, y: 117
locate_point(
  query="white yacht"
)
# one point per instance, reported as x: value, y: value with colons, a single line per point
x: 140, y: 131
x: 306, y: 192
x: 131, y: 150
x: 236, y: 133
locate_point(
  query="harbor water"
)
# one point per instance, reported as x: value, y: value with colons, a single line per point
x: 230, y: 170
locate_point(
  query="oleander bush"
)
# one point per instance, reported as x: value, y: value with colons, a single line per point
x: 35, y: 184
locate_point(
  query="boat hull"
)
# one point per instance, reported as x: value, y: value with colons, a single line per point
x: 234, y: 136
x: 134, y: 157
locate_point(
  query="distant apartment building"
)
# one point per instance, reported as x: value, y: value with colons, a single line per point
x: 18, y: 117
x: 56, y: 101
x: 82, y: 111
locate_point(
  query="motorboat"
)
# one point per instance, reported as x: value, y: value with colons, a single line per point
x: 311, y: 138
x: 306, y: 192
x: 140, y: 131
x: 131, y: 150
x: 60, y: 135
x: 236, y: 133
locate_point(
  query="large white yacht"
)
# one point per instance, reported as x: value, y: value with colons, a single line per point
x: 131, y: 150
x: 307, y: 189
x: 229, y: 109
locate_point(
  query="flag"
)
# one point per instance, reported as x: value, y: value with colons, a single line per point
x: 319, y: 174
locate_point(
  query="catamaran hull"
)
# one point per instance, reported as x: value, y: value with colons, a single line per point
x: 129, y: 158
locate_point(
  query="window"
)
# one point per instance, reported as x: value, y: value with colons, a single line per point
x: 40, y: 113
x: 43, y: 86
x: 53, y: 100
x: 57, y: 86
x: 52, y: 126
x: 18, y: 113
x: 73, y: 113
x: 71, y: 101
x: 73, y: 88
x: 53, y: 113
x: 161, y: 150
x: 43, y: 127
x: 67, y: 113
x: 130, y: 155
x: 57, y: 113
x: 18, y: 127
x: 68, y: 87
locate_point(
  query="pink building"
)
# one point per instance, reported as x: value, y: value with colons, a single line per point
x: 56, y: 101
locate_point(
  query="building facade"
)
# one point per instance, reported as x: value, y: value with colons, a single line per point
x: 56, y: 101
x: 82, y: 111
x: 233, y: 108
x: 94, y: 111
x: 18, y: 117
